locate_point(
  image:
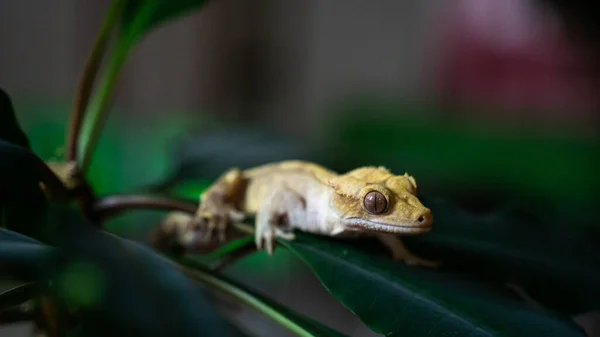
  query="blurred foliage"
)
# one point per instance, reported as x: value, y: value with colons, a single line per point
x: 296, y: 323
x: 482, y: 250
x: 9, y: 127
x: 580, y: 16
x: 204, y: 156
x: 512, y: 193
x: 483, y: 165
x: 131, y: 284
x: 131, y: 19
x: 141, y: 16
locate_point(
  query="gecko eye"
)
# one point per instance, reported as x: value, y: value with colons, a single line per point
x: 375, y: 202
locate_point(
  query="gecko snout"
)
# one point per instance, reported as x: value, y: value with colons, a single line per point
x: 425, y: 218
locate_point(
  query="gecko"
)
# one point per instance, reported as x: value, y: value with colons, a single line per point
x: 299, y: 195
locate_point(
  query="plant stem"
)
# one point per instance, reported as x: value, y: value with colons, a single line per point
x: 95, y: 117
x: 115, y: 204
x: 229, y: 251
x: 86, y: 82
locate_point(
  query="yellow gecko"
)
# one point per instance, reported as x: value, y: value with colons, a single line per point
x: 300, y: 195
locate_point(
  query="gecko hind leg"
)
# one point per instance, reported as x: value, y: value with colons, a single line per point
x: 281, y: 206
x: 217, y: 204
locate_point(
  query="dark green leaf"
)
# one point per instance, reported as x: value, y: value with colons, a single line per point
x: 141, y: 16
x: 293, y: 321
x: 204, y: 157
x: 9, y: 126
x: 8, y: 236
x: 396, y: 300
x: 120, y: 287
x: 23, y: 258
x: 22, y: 200
x: 557, y: 266
x: 17, y: 295
x: 15, y: 315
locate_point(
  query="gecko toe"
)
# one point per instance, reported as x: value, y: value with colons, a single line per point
x: 270, y: 244
x: 236, y: 215
x: 258, y: 241
x: 289, y: 236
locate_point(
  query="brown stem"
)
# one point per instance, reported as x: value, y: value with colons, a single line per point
x: 86, y: 82
x: 115, y: 204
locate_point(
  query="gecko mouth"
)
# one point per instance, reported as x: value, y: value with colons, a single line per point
x: 373, y: 226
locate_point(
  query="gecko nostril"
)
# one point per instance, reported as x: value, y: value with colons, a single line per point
x: 424, y: 218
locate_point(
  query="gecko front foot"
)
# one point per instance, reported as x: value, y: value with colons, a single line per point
x: 265, y: 237
x: 217, y: 218
x: 283, y: 207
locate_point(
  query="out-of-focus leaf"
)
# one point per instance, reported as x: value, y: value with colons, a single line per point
x: 15, y: 315
x: 23, y: 258
x: 21, y: 197
x: 188, y: 189
x: 10, y: 130
x: 397, y: 300
x: 204, y: 157
x: 135, y: 18
x: 558, y: 267
x: 119, y: 287
x: 17, y: 295
x: 141, y: 16
x: 579, y: 16
x: 295, y: 322
x: 551, y: 173
x: 8, y: 236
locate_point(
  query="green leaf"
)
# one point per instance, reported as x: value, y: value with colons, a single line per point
x: 8, y: 236
x: 17, y: 295
x: 21, y: 199
x: 137, y: 17
x: 397, y: 300
x: 294, y: 322
x: 141, y: 16
x: 23, y: 258
x: 119, y: 287
x: 556, y: 265
x: 10, y: 130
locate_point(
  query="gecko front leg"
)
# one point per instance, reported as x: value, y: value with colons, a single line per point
x: 218, y: 204
x: 400, y: 252
x: 282, y: 207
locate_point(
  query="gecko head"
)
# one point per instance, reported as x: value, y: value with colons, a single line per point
x: 373, y: 199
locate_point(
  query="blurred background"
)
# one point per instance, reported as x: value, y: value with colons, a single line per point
x: 487, y: 102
